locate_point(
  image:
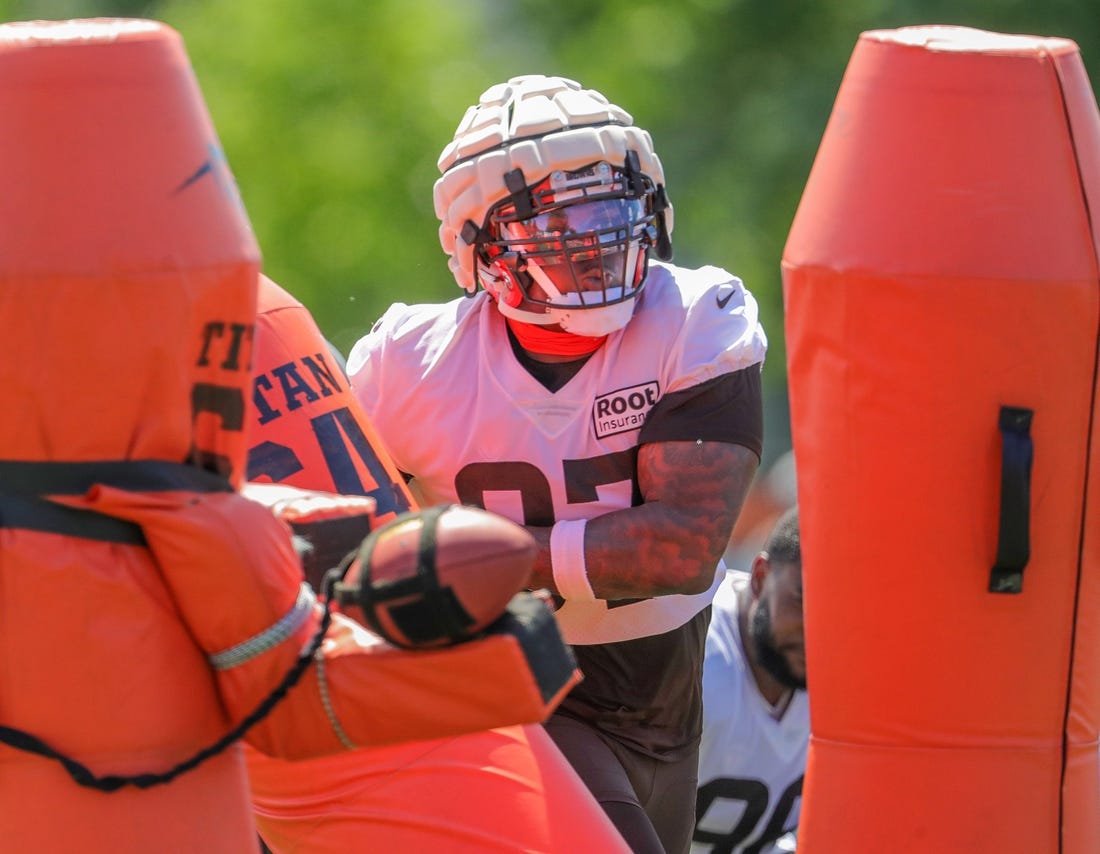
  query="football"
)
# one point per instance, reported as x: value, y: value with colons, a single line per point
x: 436, y: 576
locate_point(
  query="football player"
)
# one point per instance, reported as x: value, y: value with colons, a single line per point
x: 599, y: 395
x: 493, y: 792
x: 756, y: 717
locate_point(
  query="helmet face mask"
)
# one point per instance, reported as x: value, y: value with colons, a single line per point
x: 543, y: 181
x: 575, y: 244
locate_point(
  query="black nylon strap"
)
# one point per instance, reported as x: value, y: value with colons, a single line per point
x: 23, y: 483
x: 521, y: 198
x: 18, y: 477
x: 38, y: 514
x: 635, y: 180
x: 471, y: 234
x: 440, y: 609
x: 1013, y: 541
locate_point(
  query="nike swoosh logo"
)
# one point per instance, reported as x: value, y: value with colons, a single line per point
x: 722, y: 300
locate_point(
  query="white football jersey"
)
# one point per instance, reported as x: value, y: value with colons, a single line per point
x: 750, y: 764
x: 456, y: 409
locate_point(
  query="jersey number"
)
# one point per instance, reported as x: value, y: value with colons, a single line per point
x: 754, y: 795
x: 225, y: 402
x: 279, y: 462
x: 581, y: 477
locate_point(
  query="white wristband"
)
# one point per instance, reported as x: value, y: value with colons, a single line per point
x: 567, y: 560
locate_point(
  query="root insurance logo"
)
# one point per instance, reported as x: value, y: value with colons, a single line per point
x: 625, y: 409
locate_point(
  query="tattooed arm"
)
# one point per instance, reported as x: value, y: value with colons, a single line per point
x: 693, y: 493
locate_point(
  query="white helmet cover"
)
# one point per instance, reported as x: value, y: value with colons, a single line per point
x: 537, y: 124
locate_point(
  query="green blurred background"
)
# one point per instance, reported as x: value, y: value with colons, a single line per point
x: 332, y: 114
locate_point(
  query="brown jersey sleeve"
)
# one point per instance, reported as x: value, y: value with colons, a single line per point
x: 728, y: 408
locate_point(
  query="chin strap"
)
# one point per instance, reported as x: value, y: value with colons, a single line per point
x: 577, y: 338
x: 528, y: 318
x: 536, y: 339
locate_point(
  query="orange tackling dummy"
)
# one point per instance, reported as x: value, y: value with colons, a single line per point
x: 942, y: 299
x: 150, y: 612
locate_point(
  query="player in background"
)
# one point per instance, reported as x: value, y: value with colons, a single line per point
x: 608, y: 401
x: 756, y: 717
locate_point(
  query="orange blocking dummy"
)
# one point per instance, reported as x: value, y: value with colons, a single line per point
x: 149, y: 611
x: 501, y: 790
x: 307, y: 429
x: 126, y: 271
x: 942, y: 302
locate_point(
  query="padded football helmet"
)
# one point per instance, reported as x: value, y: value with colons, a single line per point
x: 549, y: 194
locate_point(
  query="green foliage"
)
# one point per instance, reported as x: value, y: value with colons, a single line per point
x: 332, y: 114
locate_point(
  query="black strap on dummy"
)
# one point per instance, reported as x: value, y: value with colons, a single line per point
x: 19, y: 477
x: 22, y: 484
x: 1013, y: 541
x: 38, y: 514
